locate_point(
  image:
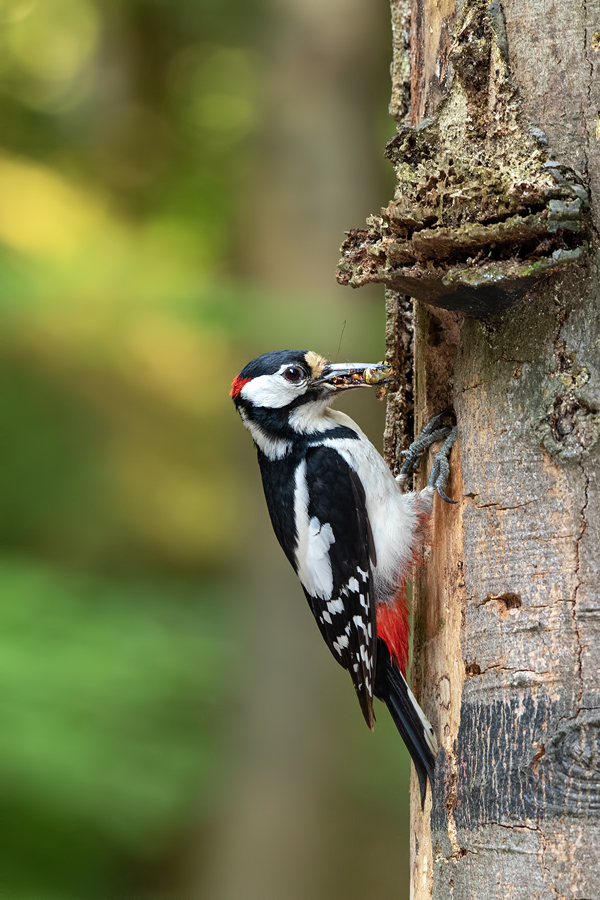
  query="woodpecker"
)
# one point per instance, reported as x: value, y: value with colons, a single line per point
x: 344, y: 522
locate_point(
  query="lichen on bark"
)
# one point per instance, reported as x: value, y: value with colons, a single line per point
x: 400, y: 68
x: 482, y: 210
x: 399, y: 422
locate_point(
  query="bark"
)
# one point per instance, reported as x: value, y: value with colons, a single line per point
x: 507, y: 611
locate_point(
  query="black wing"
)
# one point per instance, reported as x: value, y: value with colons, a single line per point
x: 343, y: 604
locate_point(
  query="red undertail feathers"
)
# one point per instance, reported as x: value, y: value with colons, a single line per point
x: 393, y: 627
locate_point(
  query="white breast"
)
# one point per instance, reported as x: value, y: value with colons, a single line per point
x: 393, y: 515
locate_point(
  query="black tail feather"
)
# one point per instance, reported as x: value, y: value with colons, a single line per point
x: 391, y: 687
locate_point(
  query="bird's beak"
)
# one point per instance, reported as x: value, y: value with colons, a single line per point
x: 344, y: 376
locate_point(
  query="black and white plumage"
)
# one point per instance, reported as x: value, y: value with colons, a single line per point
x: 344, y: 524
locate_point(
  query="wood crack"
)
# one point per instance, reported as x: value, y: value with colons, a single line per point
x: 457, y: 851
x: 473, y: 669
x: 508, y: 599
x: 472, y: 387
x: 497, y: 503
x: 516, y: 827
x: 589, y: 87
x: 578, y: 585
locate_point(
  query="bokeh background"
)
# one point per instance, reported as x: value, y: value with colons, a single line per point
x: 175, y: 180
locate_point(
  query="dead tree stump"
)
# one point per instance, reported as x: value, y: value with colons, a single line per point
x: 493, y: 229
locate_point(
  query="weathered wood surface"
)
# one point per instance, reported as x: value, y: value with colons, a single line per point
x: 507, y: 612
x: 482, y: 210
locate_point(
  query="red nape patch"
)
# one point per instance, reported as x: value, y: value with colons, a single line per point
x: 238, y: 384
x: 393, y: 628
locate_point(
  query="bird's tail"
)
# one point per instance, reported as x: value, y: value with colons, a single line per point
x: 414, y: 728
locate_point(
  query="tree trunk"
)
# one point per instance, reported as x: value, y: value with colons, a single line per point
x: 507, y: 611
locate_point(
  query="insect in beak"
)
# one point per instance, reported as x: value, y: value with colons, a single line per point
x: 344, y: 376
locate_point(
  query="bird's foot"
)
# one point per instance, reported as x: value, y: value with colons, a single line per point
x: 441, y: 467
x: 434, y: 431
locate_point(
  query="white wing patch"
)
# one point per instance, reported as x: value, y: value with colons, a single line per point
x: 345, y: 616
x: 341, y: 643
x: 313, y: 542
x: 335, y: 606
x: 356, y: 627
x: 363, y: 653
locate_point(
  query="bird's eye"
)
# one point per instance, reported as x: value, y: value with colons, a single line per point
x: 293, y: 374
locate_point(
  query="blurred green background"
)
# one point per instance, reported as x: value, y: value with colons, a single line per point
x: 175, y: 180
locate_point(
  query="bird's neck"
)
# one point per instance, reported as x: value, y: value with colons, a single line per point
x: 313, y: 418
x: 276, y: 431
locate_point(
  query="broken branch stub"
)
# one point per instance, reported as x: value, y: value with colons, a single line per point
x: 482, y: 210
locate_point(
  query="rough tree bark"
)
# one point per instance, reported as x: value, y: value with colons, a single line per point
x: 507, y: 611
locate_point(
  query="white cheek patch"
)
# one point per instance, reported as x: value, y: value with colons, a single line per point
x: 272, y: 391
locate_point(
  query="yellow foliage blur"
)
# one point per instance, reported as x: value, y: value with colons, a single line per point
x: 172, y: 196
x: 101, y: 320
x: 41, y: 213
x: 53, y: 38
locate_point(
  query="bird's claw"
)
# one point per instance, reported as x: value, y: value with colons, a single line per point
x: 434, y: 431
x: 440, y: 469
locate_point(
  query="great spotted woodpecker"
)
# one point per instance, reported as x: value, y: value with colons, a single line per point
x: 344, y: 523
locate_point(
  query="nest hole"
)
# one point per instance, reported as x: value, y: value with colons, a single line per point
x: 510, y: 601
x: 473, y: 668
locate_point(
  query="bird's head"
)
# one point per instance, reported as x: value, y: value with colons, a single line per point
x: 285, y: 392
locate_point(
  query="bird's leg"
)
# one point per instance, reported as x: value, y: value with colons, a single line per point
x: 434, y: 431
